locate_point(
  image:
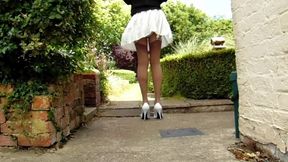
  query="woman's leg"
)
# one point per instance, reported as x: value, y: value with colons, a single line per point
x: 142, y: 73
x: 155, y: 49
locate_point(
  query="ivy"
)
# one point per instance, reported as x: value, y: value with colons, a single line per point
x: 51, y: 117
x: 23, y: 94
x: 2, y: 94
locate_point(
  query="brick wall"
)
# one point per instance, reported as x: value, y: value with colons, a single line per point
x: 50, y: 119
x: 91, y: 85
x: 261, y: 29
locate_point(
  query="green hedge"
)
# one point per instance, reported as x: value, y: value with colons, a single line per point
x: 199, y: 75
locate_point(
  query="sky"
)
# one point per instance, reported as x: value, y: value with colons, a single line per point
x: 213, y: 8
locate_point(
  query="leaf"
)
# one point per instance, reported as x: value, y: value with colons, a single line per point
x: 55, y: 16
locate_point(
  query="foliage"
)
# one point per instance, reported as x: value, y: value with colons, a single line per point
x: 112, y: 19
x: 150, y: 81
x: 198, y: 75
x: 221, y: 27
x: 191, y: 46
x: 23, y: 94
x: 125, y: 75
x: 2, y: 94
x: 188, y: 23
x: 43, y: 40
x: 104, y: 86
x: 125, y: 59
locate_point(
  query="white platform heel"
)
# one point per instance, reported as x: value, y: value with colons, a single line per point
x: 158, y: 112
x: 145, y: 111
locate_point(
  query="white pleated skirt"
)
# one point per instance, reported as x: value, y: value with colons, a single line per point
x: 142, y: 25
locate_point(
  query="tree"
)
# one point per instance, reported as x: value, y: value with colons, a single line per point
x: 188, y: 22
x: 112, y: 19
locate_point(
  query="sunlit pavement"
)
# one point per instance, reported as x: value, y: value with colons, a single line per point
x: 132, y: 139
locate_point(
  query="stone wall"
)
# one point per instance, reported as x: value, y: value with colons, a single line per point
x: 261, y: 30
x: 50, y: 118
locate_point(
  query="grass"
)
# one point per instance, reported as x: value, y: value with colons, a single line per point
x: 124, y: 75
x: 123, y: 86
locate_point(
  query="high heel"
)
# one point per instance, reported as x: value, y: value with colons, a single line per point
x: 158, y: 113
x: 145, y: 111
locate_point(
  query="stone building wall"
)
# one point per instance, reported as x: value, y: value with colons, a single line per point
x: 261, y: 30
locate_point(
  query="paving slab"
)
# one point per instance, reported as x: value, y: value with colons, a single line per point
x: 134, y: 140
x: 169, y: 104
x: 89, y: 114
x: 208, y: 102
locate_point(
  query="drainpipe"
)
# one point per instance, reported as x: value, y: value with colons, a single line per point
x: 235, y: 99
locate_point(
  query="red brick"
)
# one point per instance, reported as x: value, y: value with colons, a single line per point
x: 78, y: 121
x: 5, y: 129
x: 59, y: 113
x: 7, y: 88
x: 98, y: 98
x: 58, y: 101
x: 66, y: 131
x: 15, y: 127
x: 90, y: 102
x: 41, y: 103
x: 64, y: 122
x: 59, y: 136
x: 89, y: 76
x: 78, y: 77
x: 39, y: 126
x: 67, y: 111
x: 3, y: 102
x: 40, y: 140
x: 73, y: 115
x: 7, y: 141
x: 2, y: 117
x: 97, y: 88
x: 39, y: 115
x: 90, y: 94
x: 72, y: 124
x: 79, y: 110
x: 69, y: 99
x: 97, y: 81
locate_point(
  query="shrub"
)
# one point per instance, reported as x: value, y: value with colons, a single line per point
x: 112, y: 18
x: 202, y: 75
x: 124, y: 59
x: 192, y: 45
x: 42, y: 40
x: 188, y: 22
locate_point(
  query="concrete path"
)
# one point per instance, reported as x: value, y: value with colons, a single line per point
x: 131, y: 139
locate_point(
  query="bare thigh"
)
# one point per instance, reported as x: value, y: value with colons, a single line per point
x: 142, y: 41
x: 154, y: 37
x: 149, y: 39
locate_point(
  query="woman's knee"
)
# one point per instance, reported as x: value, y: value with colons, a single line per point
x: 154, y: 63
x: 142, y: 77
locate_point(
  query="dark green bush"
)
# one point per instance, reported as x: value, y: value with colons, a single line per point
x: 43, y: 39
x: 199, y: 75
